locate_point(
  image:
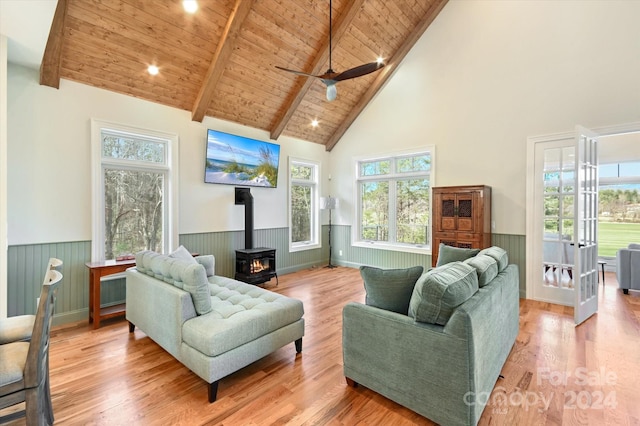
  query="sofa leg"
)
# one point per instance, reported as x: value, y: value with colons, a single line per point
x: 299, y: 345
x: 132, y: 327
x: 351, y: 382
x: 213, y: 391
x: 625, y: 290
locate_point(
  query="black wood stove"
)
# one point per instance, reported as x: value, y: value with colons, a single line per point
x: 256, y: 266
x: 253, y: 265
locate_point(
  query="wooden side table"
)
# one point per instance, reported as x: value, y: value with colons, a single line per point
x: 98, y: 270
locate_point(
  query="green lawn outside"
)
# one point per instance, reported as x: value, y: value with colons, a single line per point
x: 615, y: 235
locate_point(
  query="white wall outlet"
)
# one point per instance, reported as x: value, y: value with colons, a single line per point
x: 493, y: 225
x: 340, y: 253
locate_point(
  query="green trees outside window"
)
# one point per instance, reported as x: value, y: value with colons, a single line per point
x: 394, y: 195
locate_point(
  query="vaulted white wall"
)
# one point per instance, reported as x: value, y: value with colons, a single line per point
x: 488, y: 74
x: 49, y: 173
x: 484, y: 77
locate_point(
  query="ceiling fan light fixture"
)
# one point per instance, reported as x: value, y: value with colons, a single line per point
x: 332, y: 92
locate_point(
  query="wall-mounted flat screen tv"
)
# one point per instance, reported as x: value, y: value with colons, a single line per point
x: 236, y: 160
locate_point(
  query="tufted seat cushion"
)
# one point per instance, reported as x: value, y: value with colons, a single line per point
x: 240, y: 313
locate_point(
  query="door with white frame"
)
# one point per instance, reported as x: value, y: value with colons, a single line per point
x: 563, y: 251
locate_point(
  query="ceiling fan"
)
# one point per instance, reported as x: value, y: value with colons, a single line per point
x: 330, y: 77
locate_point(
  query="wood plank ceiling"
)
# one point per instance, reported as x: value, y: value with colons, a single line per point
x: 220, y: 61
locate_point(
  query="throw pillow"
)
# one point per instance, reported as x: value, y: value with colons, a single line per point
x: 390, y: 289
x: 184, y: 254
x: 448, y: 254
x: 438, y: 292
x: 194, y: 279
x: 499, y: 254
x: 209, y: 263
x: 486, y: 268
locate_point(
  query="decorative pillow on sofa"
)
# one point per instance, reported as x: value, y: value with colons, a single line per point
x: 195, y: 281
x: 390, y: 289
x: 486, y: 268
x: 448, y: 254
x: 499, y: 254
x: 184, y: 254
x: 439, y: 291
x: 209, y: 263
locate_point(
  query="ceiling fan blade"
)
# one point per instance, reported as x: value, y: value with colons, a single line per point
x: 359, y: 71
x: 304, y: 74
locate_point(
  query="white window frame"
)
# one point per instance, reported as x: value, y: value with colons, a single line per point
x: 314, y: 184
x: 390, y: 245
x: 169, y: 168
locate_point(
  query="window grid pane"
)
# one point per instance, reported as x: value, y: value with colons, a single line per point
x: 301, y: 202
x: 375, y: 211
x: 133, y: 212
x: 412, y: 211
x: 375, y: 168
x: 302, y: 172
x: 133, y: 149
x: 416, y: 163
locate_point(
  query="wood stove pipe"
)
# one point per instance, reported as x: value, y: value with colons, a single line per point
x: 243, y: 196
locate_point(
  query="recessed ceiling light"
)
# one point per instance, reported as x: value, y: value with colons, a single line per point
x: 190, y: 6
x: 153, y: 70
x: 314, y: 123
x: 380, y: 60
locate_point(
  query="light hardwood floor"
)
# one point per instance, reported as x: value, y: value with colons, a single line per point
x: 556, y: 373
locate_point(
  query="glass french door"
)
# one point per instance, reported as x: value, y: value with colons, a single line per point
x: 565, y: 222
x: 586, y: 225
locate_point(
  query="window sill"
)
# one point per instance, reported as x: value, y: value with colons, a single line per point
x: 426, y: 250
x: 303, y: 247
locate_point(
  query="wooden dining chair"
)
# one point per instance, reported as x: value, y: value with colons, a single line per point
x: 19, y: 328
x: 24, y: 366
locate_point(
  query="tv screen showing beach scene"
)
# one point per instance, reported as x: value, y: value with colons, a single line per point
x: 236, y: 160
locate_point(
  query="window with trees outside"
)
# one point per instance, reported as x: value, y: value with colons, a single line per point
x: 303, y: 205
x: 132, y: 186
x: 394, y: 200
x: 618, y: 207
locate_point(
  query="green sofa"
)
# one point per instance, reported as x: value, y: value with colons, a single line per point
x: 446, y: 371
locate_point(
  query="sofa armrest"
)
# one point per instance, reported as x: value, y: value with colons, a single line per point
x: 628, y: 268
x: 415, y: 364
x: 158, y: 309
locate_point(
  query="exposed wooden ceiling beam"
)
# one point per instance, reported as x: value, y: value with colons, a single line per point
x: 294, y: 100
x: 220, y: 58
x: 52, y: 57
x: 385, y: 73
